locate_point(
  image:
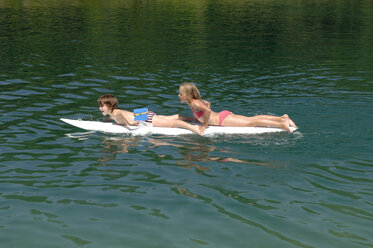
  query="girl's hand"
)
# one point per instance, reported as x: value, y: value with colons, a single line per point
x: 202, y: 129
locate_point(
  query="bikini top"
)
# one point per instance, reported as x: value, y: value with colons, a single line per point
x: 198, y: 114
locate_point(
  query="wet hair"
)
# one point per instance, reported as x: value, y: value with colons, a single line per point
x: 109, y: 100
x: 191, y: 91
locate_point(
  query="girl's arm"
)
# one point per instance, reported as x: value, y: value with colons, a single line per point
x: 205, y: 107
x: 207, y: 103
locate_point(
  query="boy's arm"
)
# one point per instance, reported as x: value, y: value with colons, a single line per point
x: 128, y: 121
x: 107, y: 119
x: 134, y: 123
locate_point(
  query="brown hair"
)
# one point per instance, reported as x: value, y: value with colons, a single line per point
x: 191, y: 91
x: 109, y: 100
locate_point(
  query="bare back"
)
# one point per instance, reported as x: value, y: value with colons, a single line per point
x: 122, y: 117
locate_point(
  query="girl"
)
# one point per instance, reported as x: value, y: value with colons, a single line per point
x: 108, y: 105
x: 188, y: 93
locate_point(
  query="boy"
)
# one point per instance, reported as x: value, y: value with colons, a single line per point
x: 108, y: 105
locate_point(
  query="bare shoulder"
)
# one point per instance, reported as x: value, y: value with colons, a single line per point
x: 126, y: 112
x: 207, y: 103
x: 200, y: 104
x: 196, y: 102
x: 119, y: 112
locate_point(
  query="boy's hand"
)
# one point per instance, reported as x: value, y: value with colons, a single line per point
x: 107, y: 119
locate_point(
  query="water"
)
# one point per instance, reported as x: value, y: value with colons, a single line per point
x: 63, y: 187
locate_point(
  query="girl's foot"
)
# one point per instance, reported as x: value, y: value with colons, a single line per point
x: 291, y: 123
x: 285, y: 124
x: 287, y: 128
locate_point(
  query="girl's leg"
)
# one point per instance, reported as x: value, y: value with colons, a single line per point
x: 233, y: 120
x: 178, y: 117
x: 276, y: 118
x: 164, y: 121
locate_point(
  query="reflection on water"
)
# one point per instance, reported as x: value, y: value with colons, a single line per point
x: 194, y: 151
x: 191, y: 150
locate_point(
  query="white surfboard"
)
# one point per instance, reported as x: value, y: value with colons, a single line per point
x: 143, y: 129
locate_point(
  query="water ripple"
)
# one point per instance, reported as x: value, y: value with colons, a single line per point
x: 311, y: 188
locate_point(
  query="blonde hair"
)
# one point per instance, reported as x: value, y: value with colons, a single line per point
x: 109, y: 100
x: 190, y: 91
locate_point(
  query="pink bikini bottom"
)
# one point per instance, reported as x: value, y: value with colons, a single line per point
x: 222, y: 115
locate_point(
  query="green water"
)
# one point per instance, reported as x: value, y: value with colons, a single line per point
x: 63, y: 187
